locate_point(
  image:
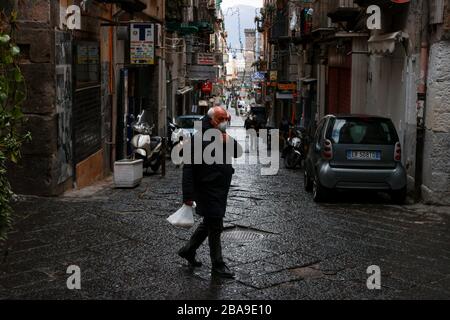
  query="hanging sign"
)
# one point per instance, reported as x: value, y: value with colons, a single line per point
x: 142, y: 43
x: 207, y: 87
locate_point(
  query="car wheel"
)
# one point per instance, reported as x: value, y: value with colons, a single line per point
x: 319, y: 192
x: 399, y: 196
x: 307, y: 181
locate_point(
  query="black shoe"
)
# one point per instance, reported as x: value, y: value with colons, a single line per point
x: 222, y: 271
x: 190, y: 258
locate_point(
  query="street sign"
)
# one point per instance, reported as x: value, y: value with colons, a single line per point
x: 258, y: 76
x: 142, y: 43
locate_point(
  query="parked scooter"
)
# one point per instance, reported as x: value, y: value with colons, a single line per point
x: 294, y: 153
x: 145, y: 146
x: 171, y: 128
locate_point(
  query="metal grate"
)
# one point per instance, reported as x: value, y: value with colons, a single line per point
x: 87, y: 122
x: 241, y: 235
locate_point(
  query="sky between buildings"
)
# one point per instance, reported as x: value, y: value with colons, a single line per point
x: 232, y: 3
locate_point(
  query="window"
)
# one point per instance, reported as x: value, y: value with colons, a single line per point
x: 87, y: 64
x: 362, y: 131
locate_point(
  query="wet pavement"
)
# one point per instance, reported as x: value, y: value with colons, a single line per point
x: 278, y: 241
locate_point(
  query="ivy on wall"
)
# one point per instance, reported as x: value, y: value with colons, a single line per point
x: 12, y: 96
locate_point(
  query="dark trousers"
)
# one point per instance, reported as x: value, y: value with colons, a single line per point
x: 210, y: 228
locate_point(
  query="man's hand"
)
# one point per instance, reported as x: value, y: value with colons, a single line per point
x: 189, y: 203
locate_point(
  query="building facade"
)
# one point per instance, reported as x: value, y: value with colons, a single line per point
x: 92, y: 66
x: 342, y: 66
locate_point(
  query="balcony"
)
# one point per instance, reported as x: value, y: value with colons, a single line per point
x: 321, y: 21
x: 280, y: 28
x: 343, y: 11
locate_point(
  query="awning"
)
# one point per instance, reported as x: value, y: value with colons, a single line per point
x: 385, y: 43
x: 308, y: 80
x: 203, y: 103
x: 185, y: 90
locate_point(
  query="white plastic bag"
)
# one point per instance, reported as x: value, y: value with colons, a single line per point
x: 184, y: 217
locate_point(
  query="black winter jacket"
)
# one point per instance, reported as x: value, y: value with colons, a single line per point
x: 208, y: 184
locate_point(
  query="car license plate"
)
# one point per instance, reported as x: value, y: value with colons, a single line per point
x: 363, y: 155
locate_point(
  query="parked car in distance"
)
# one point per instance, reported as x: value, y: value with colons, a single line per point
x: 185, y: 127
x: 355, y: 152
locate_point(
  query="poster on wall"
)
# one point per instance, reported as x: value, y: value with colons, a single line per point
x: 142, y: 43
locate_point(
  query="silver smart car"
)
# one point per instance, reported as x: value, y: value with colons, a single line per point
x: 355, y: 152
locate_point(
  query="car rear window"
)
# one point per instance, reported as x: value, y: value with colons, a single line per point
x: 362, y: 131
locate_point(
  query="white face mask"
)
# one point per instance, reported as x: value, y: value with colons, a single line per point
x: 223, y: 126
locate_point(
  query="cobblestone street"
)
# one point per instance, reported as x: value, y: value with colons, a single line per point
x: 278, y: 241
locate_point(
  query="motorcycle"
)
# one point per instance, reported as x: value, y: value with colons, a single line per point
x: 145, y: 146
x: 294, y: 153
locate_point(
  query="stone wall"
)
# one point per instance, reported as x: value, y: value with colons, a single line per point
x: 47, y: 167
x: 436, y: 172
x: 39, y: 171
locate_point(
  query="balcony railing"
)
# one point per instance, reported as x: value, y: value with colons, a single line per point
x: 321, y: 9
x: 280, y: 27
x: 327, y: 12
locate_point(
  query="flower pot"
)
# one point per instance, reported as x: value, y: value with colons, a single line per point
x: 128, y: 173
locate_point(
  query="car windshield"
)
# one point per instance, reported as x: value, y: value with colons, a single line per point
x: 362, y: 131
x: 187, y: 123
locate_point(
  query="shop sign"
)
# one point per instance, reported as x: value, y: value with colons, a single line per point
x: 206, y: 59
x: 142, y: 43
x: 207, y: 87
x: 287, y: 86
x: 285, y: 96
x: 273, y: 76
x: 258, y: 76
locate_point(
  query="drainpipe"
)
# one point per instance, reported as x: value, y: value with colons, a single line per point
x: 421, y: 105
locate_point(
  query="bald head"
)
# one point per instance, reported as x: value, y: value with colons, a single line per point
x: 218, y: 115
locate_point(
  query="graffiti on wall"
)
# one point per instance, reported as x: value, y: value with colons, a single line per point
x: 64, y: 100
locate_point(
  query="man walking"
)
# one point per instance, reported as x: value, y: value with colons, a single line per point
x: 208, y: 185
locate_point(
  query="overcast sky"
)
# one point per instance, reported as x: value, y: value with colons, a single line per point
x: 232, y: 3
